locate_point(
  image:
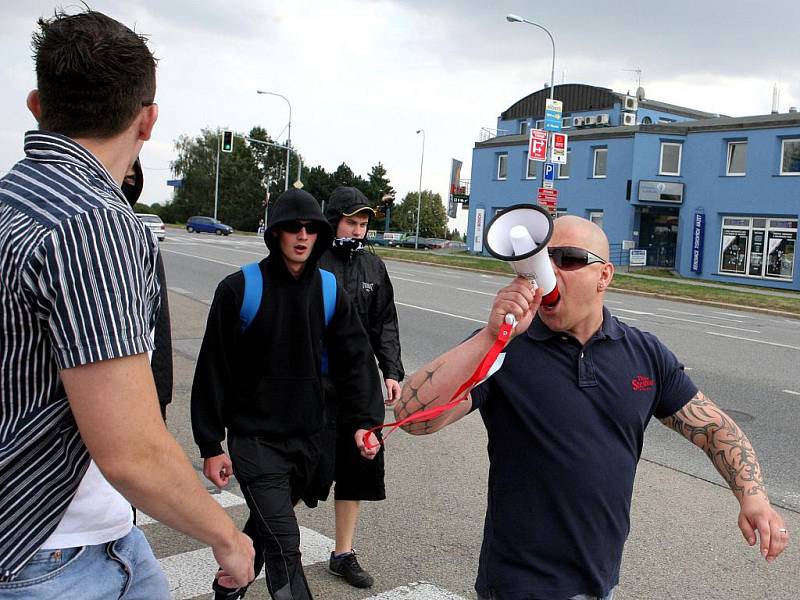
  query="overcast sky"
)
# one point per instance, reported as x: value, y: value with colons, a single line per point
x: 363, y: 75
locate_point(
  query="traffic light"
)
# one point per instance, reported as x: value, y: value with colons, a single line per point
x: 227, y: 141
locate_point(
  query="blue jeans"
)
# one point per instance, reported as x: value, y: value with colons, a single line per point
x: 124, y: 568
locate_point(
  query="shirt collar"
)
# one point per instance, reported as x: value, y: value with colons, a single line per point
x: 610, y: 328
x: 46, y: 146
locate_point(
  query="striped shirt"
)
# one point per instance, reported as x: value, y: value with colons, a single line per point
x: 77, y: 286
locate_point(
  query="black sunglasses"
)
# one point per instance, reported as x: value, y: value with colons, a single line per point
x: 570, y: 258
x: 311, y: 227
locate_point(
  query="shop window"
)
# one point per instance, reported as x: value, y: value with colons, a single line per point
x: 600, y: 163
x: 502, y: 166
x: 670, y: 162
x: 737, y: 159
x: 758, y: 247
x: 790, y: 157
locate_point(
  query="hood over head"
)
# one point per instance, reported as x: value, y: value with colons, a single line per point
x: 297, y: 205
x: 346, y: 201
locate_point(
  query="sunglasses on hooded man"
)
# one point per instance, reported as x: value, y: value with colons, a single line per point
x: 311, y: 227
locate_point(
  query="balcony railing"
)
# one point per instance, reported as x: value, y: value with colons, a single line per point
x: 488, y: 133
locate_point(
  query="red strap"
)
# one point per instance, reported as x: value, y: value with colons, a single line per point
x: 461, y: 394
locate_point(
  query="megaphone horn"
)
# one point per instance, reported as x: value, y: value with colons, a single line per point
x: 519, y: 235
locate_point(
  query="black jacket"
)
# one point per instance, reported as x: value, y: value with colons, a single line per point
x: 363, y: 275
x: 267, y: 380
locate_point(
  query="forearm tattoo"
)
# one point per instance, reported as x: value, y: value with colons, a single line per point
x: 413, y: 399
x: 705, y: 425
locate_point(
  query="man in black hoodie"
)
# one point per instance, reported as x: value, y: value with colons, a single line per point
x: 263, y: 383
x: 363, y: 275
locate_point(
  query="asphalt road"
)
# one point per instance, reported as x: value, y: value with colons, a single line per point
x: 684, y: 542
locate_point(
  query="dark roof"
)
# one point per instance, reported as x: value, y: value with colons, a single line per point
x: 581, y: 97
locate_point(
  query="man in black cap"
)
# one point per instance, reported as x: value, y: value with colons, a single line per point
x: 366, y: 281
x: 260, y: 377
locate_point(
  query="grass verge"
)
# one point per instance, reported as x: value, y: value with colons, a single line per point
x: 675, y: 287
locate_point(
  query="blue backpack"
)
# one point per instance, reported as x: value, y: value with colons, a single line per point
x: 254, y: 287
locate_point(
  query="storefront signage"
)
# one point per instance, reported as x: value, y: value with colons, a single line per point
x: 660, y: 191
x: 697, y: 241
x: 552, y: 115
x: 638, y: 258
x: 558, y: 153
x: 477, y: 237
x: 537, y: 147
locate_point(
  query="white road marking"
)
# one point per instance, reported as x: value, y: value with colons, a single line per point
x: 475, y: 292
x: 417, y: 591
x: 219, y: 262
x: 681, y: 312
x: 737, y: 337
x: 178, y: 290
x: 224, y: 499
x: 641, y: 312
x: 190, y: 573
x: 439, y: 312
x: 792, y: 392
x: 734, y: 315
x: 413, y: 280
x: 607, y: 301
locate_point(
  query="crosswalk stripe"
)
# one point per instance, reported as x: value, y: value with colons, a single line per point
x: 190, y: 573
x: 224, y: 499
x: 417, y: 591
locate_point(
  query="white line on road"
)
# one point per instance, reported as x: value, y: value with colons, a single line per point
x: 439, y: 312
x: 681, y: 312
x: 224, y: 499
x: 412, y: 280
x: 190, y: 573
x: 475, y: 292
x: 737, y: 337
x: 219, y: 262
x: 417, y: 591
x: 792, y: 392
x: 178, y: 290
x: 734, y: 315
x: 642, y: 312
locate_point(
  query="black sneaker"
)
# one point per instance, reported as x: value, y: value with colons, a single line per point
x: 347, y: 566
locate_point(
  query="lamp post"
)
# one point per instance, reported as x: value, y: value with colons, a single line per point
x: 288, y: 135
x: 419, y: 196
x: 511, y: 18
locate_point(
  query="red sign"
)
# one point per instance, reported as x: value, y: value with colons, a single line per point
x: 559, y: 150
x: 547, y: 193
x: 537, y: 147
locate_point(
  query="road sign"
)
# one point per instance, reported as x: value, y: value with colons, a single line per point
x: 537, y: 147
x: 547, y: 184
x: 558, y: 151
x: 638, y: 258
x: 552, y: 115
x: 547, y: 193
x: 549, y: 172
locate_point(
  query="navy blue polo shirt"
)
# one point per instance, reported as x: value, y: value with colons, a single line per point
x: 566, y: 424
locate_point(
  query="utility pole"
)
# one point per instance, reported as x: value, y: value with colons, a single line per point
x: 216, y: 180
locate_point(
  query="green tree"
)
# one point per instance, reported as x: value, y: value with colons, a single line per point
x: 318, y: 183
x: 378, y: 186
x: 433, y: 217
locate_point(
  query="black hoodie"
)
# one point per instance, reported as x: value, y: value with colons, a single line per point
x: 266, y: 381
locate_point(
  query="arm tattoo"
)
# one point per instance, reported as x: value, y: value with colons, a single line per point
x: 705, y: 425
x: 410, y: 401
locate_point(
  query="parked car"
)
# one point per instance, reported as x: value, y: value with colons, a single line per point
x: 154, y: 224
x: 410, y: 242
x: 207, y: 225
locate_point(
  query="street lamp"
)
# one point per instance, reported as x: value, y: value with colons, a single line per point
x: 288, y: 135
x: 518, y: 19
x: 419, y: 196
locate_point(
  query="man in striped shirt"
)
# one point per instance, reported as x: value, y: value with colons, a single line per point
x: 81, y: 435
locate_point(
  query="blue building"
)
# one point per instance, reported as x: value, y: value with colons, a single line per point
x: 710, y: 196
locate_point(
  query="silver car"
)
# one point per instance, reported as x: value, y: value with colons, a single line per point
x: 154, y: 224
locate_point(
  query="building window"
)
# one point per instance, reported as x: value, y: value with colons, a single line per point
x: 596, y: 217
x: 737, y: 159
x: 539, y: 123
x: 758, y: 247
x: 523, y: 127
x: 530, y: 170
x: 600, y: 163
x: 563, y: 170
x: 560, y: 212
x: 670, y: 163
x: 502, y: 165
x: 790, y: 157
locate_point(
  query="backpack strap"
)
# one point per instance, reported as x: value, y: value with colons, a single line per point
x: 329, y: 300
x: 328, y: 294
x: 253, y: 288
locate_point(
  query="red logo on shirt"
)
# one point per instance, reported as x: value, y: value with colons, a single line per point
x: 642, y: 383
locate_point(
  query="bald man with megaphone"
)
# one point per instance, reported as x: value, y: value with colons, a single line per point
x: 565, y: 408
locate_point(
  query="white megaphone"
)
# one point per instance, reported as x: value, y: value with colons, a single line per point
x: 519, y: 235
